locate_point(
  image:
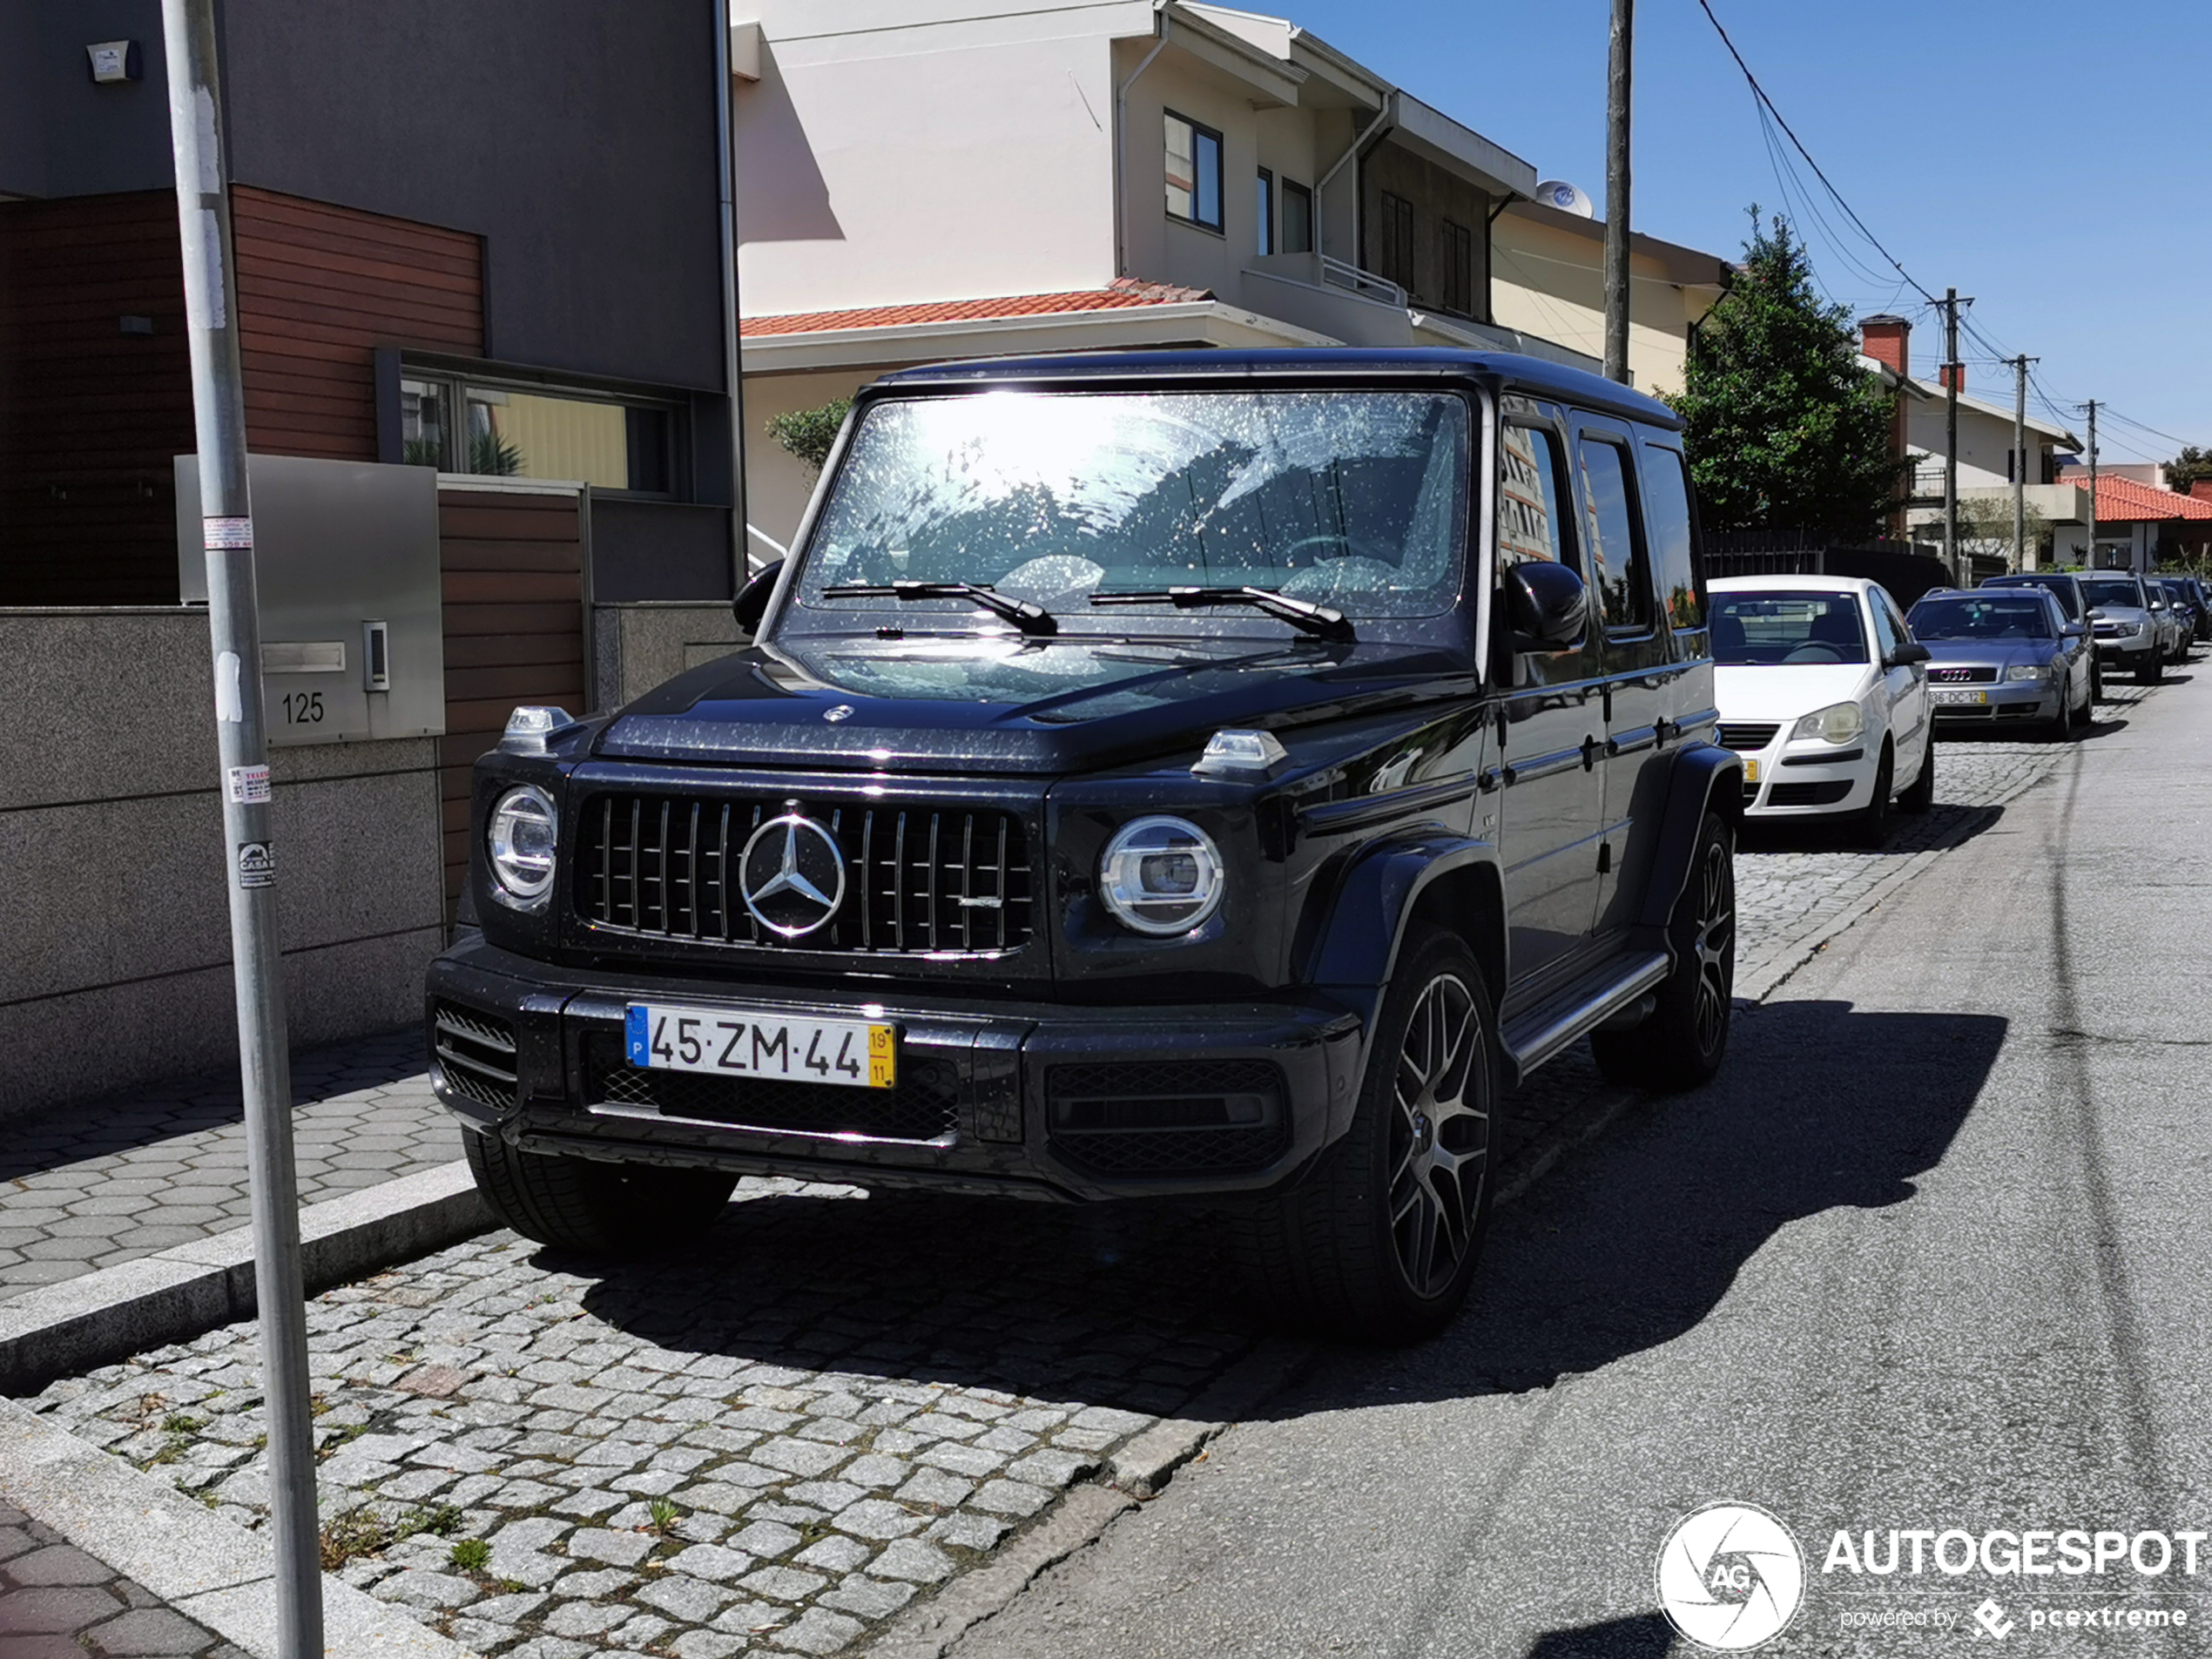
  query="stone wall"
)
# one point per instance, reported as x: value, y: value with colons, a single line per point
x: 117, y: 970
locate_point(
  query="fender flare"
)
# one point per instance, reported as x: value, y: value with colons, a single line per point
x: 1704, y: 776
x: 1359, y: 943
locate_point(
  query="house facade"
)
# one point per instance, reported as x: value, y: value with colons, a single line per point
x: 922, y: 180
x: 480, y: 262
x: 1988, y: 451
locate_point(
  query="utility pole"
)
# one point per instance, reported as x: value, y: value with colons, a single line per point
x: 2090, y: 559
x: 2019, y: 459
x: 1950, y: 371
x: 249, y: 861
x: 1618, y: 70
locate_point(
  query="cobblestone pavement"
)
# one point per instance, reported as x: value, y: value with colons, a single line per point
x: 95, y: 1184
x: 837, y: 1403
x: 57, y: 1603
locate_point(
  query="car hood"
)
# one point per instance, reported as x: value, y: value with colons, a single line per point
x: 2001, y: 653
x: 1782, y: 692
x: 1001, y: 703
x: 2129, y: 616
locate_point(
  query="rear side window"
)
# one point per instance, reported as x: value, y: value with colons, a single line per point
x: 1666, y: 517
x: 1531, y: 518
x: 1618, y: 561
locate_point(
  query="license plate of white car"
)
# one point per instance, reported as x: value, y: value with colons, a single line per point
x: 723, y: 1043
x: 1962, y: 696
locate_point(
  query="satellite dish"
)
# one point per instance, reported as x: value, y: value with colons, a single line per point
x: 1568, y: 198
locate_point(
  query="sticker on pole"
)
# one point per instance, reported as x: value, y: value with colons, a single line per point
x: 257, y: 864
x: 227, y: 532
x: 249, y: 786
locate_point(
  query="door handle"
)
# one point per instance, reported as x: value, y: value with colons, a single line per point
x: 1591, y: 747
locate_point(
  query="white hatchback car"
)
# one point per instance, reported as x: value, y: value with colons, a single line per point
x: 1822, y: 689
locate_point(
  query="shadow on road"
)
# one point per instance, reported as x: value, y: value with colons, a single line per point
x: 1647, y: 1637
x: 1633, y: 1244
x: 1625, y: 1246
x: 1942, y: 827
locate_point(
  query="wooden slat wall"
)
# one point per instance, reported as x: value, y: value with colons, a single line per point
x: 320, y: 288
x: 90, y: 416
x: 514, y: 631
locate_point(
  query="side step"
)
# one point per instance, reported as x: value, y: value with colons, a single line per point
x: 1534, y: 1034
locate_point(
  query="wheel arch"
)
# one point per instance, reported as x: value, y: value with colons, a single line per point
x: 1706, y: 778
x: 1451, y: 881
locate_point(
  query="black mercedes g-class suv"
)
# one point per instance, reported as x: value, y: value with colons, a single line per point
x: 1154, y: 774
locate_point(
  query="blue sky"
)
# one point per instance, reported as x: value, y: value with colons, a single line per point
x: 2045, y: 159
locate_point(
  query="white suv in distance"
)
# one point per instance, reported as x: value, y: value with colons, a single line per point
x: 1823, y: 691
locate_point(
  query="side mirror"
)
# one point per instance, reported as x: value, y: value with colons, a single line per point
x: 1546, y: 606
x: 1910, y: 652
x: 2073, y: 630
x: 752, y: 602
x: 2096, y: 615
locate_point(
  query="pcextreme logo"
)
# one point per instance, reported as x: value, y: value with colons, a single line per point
x: 1730, y: 1577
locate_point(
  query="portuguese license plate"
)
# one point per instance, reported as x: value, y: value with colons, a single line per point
x: 1961, y: 697
x: 850, y: 1054
x: 1750, y: 771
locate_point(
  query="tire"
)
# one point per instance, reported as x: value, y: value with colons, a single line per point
x: 1921, y: 796
x: 1684, y: 1041
x: 1870, y: 825
x: 2061, y: 729
x: 619, y: 1210
x: 2096, y: 684
x: 1380, y: 1243
x: 2152, y: 671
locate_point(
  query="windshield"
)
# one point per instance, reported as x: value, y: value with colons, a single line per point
x: 1354, y: 500
x: 2064, y: 592
x: 2101, y: 591
x: 1792, y: 628
x: 2026, y: 617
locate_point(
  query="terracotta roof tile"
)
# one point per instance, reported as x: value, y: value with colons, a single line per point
x: 2122, y: 501
x: 1123, y: 292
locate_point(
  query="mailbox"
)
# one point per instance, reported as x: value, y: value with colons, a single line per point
x: 345, y: 558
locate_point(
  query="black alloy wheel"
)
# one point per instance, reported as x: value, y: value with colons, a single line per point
x: 1379, y: 1243
x: 1683, y: 1040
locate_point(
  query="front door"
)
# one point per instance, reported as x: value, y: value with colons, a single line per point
x: 1550, y: 806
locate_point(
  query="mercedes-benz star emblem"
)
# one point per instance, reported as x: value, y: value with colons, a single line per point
x: 793, y: 875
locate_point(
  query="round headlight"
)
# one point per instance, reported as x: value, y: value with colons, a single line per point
x: 1837, y: 723
x: 1161, y: 875
x: 519, y: 838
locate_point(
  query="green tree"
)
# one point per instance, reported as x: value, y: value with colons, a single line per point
x: 1985, y: 525
x: 808, y: 434
x: 2187, y: 467
x: 1785, y: 429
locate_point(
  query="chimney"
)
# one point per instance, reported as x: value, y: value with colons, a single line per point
x: 2201, y: 488
x: 1955, y: 371
x: 1888, y: 340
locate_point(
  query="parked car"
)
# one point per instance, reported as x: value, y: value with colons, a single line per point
x: 2066, y: 586
x: 2184, y: 614
x: 2163, y: 618
x: 2004, y: 658
x: 2201, y: 596
x: 1823, y: 691
x: 2124, y: 629
x: 1142, y: 781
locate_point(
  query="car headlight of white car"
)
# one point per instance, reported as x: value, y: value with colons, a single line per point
x: 1837, y: 723
x: 2027, y: 671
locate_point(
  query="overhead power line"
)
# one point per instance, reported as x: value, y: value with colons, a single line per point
x: 1768, y: 104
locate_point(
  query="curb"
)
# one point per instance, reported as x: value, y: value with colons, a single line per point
x: 177, y: 1294
x: 209, y: 1569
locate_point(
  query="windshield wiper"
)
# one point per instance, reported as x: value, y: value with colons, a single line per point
x: 1029, y: 619
x: 1313, y: 619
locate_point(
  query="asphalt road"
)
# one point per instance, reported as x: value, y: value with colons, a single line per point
x: 1932, y: 1254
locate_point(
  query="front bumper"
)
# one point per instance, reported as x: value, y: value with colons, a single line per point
x: 1024, y: 1099
x: 1810, y: 779
x: 2006, y: 701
